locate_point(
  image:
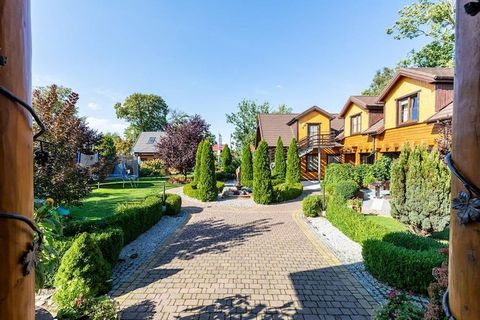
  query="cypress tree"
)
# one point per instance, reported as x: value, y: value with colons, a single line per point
x: 398, y: 187
x: 207, y: 186
x: 246, y: 168
x: 293, y: 163
x: 198, y: 161
x: 415, y: 198
x: 262, y: 184
x: 226, y: 157
x: 280, y: 165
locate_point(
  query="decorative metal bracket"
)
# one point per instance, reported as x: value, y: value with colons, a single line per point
x: 446, y: 307
x: 31, y: 257
x: 3, y: 61
x: 472, y: 8
x: 467, y: 203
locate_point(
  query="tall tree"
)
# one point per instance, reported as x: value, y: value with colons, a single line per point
x: 144, y: 112
x: 198, y: 161
x: 226, y: 157
x: 280, y: 165
x: 246, y: 169
x: 262, y: 183
x: 380, y: 80
x: 207, y: 186
x: 434, y: 19
x: 398, y: 186
x: 283, y: 109
x: 293, y: 164
x: 107, y: 147
x: 177, y: 148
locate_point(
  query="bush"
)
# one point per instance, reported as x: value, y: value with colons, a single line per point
x: 152, y: 168
x: 360, y: 174
x: 336, y: 172
x: 345, y: 190
x: 381, y: 168
x: 206, y: 186
x: 284, y: 192
x: 224, y: 176
x: 226, y: 157
x: 399, y: 306
x: 398, y: 187
x: 400, y: 267
x: 83, y: 270
x: 110, y: 243
x: 293, y: 164
x: 173, y: 202
x: 198, y: 161
x: 312, y: 204
x: 411, y: 241
x: 192, y: 191
x: 101, y: 308
x: 246, y: 168
x: 280, y: 167
x: 276, y: 181
x: 262, y: 184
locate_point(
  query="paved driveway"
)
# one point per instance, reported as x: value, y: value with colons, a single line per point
x: 243, y: 263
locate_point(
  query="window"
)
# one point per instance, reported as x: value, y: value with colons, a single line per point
x: 355, y: 124
x: 333, y: 158
x: 367, y: 158
x: 408, y: 109
x: 151, y: 140
x: 312, y: 162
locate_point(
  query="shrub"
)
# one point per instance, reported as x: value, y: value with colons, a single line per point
x: 411, y: 241
x: 83, y: 270
x: 311, y: 205
x: 198, y: 161
x: 336, y: 172
x: 277, y: 181
x: 360, y: 174
x: 110, y: 243
x: 381, y: 168
x: 293, y: 164
x: 224, y: 176
x: 192, y: 191
x: 262, y: 184
x: 173, y: 202
x: 246, y: 168
x: 398, y: 187
x: 152, y: 168
x: 284, y: 191
x: 400, y: 267
x: 345, y: 190
x: 207, y: 189
x: 101, y: 308
x: 279, y: 170
x: 226, y: 157
x: 399, y: 306
x: 437, y: 289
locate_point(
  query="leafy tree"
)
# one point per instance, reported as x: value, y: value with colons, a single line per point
x: 398, y: 187
x: 283, y: 109
x: 107, y: 146
x: 67, y: 134
x: 380, y: 80
x: 198, y: 161
x: 144, y: 112
x: 246, y: 169
x: 293, y: 164
x: 177, y: 117
x: 226, y: 158
x: 381, y: 168
x: 434, y: 19
x: 177, y: 148
x: 123, y: 146
x: 280, y: 165
x: 262, y: 184
x: 207, y: 185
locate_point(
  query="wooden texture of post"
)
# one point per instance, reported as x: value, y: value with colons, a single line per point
x: 464, y: 273
x: 16, y: 166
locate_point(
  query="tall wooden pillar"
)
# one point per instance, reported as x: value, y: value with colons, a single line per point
x: 16, y: 166
x: 464, y: 270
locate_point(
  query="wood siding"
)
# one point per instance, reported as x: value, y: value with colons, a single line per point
x: 374, y: 117
x: 443, y: 95
x: 313, y: 175
x: 392, y: 140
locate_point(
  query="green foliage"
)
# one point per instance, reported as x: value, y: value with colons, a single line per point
x: 399, y: 307
x: 345, y: 190
x: 152, y: 168
x: 411, y: 241
x: 100, y: 308
x: 360, y: 174
x: 414, y: 182
x: 226, y: 158
x: 144, y: 112
x: 398, y: 187
x: 381, y: 168
x: 284, y: 191
x: 198, y: 161
x: 312, y: 204
x: 336, y: 172
x: 83, y: 270
x: 262, y: 184
x: 173, y: 202
x: 110, y: 243
x: 279, y: 170
x: 207, y: 189
x: 246, y: 168
x: 380, y: 80
x: 107, y: 147
x: 192, y: 191
x: 293, y: 164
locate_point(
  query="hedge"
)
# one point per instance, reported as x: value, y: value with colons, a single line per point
x: 345, y: 190
x: 190, y: 190
x: 411, y: 241
x: 401, y: 267
x: 312, y: 204
x: 173, y: 203
x: 110, y: 243
x: 284, y: 191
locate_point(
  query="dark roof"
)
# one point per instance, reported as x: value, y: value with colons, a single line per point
x: 337, y: 123
x: 444, y: 114
x: 376, y: 128
x: 314, y: 108
x: 364, y: 102
x: 430, y: 75
x: 340, y: 136
x: 273, y: 125
x: 147, y: 142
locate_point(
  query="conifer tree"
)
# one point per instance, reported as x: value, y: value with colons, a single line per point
x: 198, y: 161
x: 293, y: 164
x: 398, y: 184
x: 246, y: 168
x: 280, y: 164
x: 414, y: 192
x: 226, y: 157
x: 262, y: 184
x: 207, y: 185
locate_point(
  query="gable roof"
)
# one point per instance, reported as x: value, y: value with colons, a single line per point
x: 445, y: 113
x: 337, y: 123
x: 144, y: 142
x: 376, y: 128
x: 314, y: 108
x: 363, y: 102
x: 430, y: 75
x: 273, y: 125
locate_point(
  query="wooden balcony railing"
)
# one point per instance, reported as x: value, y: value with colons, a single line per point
x: 323, y: 139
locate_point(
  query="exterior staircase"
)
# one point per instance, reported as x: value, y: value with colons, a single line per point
x: 321, y: 140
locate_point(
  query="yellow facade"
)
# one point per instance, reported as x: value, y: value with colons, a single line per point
x: 353, y: 110
x: 419, y: 134
x: 313, y: 117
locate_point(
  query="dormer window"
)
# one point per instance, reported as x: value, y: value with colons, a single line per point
x: 408, y: 109
x: 356, y: 124
x: 151, y: 140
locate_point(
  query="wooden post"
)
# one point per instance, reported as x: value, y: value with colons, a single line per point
x: 16, y: 164
x: 464, y: 268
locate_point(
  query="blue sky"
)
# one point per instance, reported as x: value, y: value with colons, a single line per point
x: 205, y: 56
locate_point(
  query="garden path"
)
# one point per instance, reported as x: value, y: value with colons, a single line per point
x: 234, y: 262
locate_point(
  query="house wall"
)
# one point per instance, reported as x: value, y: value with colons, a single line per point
x: 313, y: 175
x: 392, y: 140
x: 312, y: 117
x: 352, y: 110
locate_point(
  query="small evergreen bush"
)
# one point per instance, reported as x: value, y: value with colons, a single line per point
x: 173, y: 202
x: 411, y: 241
x: 293, y: 164
x: 336, y: 172
x: 246, y: 168
x: 198, y: 161
x: 399, y: 307
x: 398, y: 188
x: 311, y: 205
x: 207, y: 189
x: 284, y: 191
x: 262, y: 184
x: 280, y: 167
x: 345, y: 190
x: 110, y: 243
x: 381, y: 168
x: 226, y: 158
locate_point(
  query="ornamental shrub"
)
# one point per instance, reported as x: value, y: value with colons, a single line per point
x: 293, y: 164
x: 284, y: 191
x: 198, y: 161
x: 173, y: 202
x: 398, y: 187
x: 191, y: 190
x: 207, y: 189
x: 415, y: 197
x: 152, y: 168
x: 262, y: 184
x: 399, y: 306
x: 98, y: 308
x: 414, y: 242
x: 246, y: 167
x: 360, y: 174
x: 336, y: 172
x: 83, y: 270
x: 345, y: 190
x: 110, y: 243
x: 381, y: 168
x: 312, y: 204
x: 279, y: 170
x: 226, y: 157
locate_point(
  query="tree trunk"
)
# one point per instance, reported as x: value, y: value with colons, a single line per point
x: 464, y: 273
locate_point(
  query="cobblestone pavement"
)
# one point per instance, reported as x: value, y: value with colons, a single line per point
x: 243, y: 263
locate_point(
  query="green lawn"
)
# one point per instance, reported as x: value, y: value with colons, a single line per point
x: 102, y: 202
x: 387, y: 222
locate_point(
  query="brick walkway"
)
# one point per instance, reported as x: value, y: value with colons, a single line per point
x: 243, y: 263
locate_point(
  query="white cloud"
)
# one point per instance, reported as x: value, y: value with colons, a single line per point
x: 279, y: 86
x: 93, y: 106
x: 106, y: 125
x: 109, y: 94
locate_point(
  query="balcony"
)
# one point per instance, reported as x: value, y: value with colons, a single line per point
x: 320, y: 140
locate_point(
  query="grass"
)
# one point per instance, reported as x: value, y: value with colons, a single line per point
x: 102, y: 202
x: 387, y: 222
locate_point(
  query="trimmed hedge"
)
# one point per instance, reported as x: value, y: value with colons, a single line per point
x: 401, y: 267
x: 173, y: 202
x: 411, y: 241
x: 110, y: 243
x: 191, y: 190
x: 345, y: 190
x: 284, y: 191
x: 312, y: 204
